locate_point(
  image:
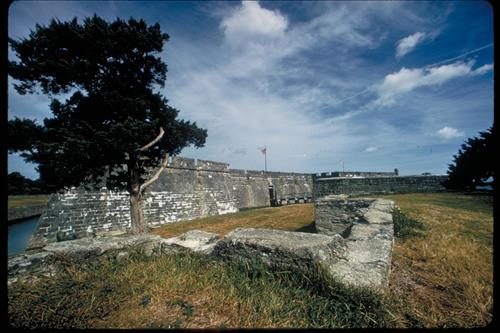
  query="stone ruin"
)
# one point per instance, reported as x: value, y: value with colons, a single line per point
x: 353, y: 242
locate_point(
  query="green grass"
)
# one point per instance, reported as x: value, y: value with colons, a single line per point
x: 405, y: 226
x: 16, y: 201
x: 187, y: 291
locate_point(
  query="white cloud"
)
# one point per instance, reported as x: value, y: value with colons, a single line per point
x: 483, y: 69
x: 407, y: 79
x: 250, y: 20
x: 407, y: 44
x: 370, y: 149
x: 449, y: 133
x: 260, y: 39
x: 299, y: 86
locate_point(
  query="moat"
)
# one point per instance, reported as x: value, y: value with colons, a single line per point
x: 19, y: 234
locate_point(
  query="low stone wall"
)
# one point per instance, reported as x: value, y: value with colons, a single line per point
x: 367, y: 227
x: 377, y: 185
x: 354, y: 243
x: 30, y: 265
x: 20, y: 213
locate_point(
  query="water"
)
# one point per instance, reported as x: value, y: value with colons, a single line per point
x: 20, y: 233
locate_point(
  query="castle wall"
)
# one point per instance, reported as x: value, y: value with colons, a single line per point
x: 376, y: 185
x: 189, y: 189
x: 186, y: 190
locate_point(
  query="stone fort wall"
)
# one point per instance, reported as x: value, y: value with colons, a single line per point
x: 190, y: 189
x: 325, y: 184
x: 186, y: 190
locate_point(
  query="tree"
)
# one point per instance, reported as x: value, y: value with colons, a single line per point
x: 114, y: 118
x: 473, y: 165
x: 18, y: 184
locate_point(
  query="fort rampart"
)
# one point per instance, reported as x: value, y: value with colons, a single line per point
x: 326, y: 185
x: 186, y: 190
x: 190, y: 189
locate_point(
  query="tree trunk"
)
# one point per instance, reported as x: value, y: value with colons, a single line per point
x: 136, y: 187
x: 138, y: 225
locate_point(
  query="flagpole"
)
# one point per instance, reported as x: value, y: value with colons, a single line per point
x: 265, y: 158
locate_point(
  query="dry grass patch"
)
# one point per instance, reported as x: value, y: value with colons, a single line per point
x: 445, y: 279
x: 16, y: 201
x: 293, y: 217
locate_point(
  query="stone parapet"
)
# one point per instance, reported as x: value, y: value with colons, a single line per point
x: 212, y: 166
x: 183, y: 163
x: 377, y: 185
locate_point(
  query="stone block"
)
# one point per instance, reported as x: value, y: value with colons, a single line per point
x: 336, y: 213
x: 368, y: 263
x: 367, y: 226
x: 279, y: 248
x: 92, y: 247
x: 29, y: 264
x: 193, y: 240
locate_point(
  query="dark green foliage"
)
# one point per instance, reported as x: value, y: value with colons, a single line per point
x: 404, y: 226
x: 17, y: 184
x: 112, y: 71
x: 473, y: 164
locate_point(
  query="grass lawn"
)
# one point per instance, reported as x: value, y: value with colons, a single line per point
x: 298, y: 217
x: 16, y: 201
x: 441, y: 277
x: 445, y: 278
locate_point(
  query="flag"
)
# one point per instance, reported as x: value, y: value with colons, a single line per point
x: 263, y: 151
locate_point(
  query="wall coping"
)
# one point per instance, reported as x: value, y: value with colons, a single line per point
x: 380, y: 177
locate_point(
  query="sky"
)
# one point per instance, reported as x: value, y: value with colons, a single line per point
x: 364, y: 86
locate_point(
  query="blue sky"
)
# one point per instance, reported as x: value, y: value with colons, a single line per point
x: 378, y: 85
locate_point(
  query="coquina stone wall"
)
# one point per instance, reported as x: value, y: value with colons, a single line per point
x: 186, y: 190
x: 325, y: 185
x: 190, y: 189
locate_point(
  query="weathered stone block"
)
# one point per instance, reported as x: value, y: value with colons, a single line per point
x: 336, y: 213
x: 193, y: 240
x: 369, y: 236
x: 368, y: 263
x: 376, y: 216
x: 29, y: 263
x: 91, y: 247
x: 279, y: 248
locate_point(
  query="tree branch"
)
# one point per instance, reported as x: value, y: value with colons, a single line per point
x: 156, y: 175
x: 154, y: 141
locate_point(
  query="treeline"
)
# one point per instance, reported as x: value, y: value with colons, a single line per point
x: 17, y: 184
